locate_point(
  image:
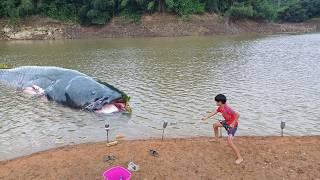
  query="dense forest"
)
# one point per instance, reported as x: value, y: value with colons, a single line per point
x: 101, y: 11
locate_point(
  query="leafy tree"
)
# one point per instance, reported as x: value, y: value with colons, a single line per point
x: 299, y: 11
x: 312, y: 6
x: 96, y: 11
x: 101, y: 11
x: 25, y: 8
x: 9, y: 9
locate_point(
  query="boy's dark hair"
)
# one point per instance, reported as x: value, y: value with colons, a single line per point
x: 221, y: 98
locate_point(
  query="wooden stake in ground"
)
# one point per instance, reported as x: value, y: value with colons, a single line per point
x: 165, y: 124
x: 107, y: 127
x: 283, y: 125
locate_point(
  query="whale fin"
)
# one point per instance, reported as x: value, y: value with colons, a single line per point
x: 125, y: 97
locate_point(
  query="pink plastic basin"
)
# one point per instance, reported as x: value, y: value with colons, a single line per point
x: 117, y: 173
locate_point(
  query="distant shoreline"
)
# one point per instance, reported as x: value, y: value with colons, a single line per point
x: 156, y: 25
x: 290, y: 157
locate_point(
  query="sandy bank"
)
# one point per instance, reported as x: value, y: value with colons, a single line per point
x: 156, y: 25
x: 196, y: 158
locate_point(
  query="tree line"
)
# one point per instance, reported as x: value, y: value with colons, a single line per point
x: 101, y: 11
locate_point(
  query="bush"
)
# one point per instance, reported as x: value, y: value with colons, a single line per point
x: 131, y: 11
x: 212, y: 6
x: 60, y: 11
x: 130, y: 17
x: 185, y: 7
x: 96, y: 12
x: 239, y: 10
x: 293, y: 13
x: 265, y: 10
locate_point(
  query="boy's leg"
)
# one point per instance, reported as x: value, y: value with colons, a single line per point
x: 235, y: 149
x: 216, y: 129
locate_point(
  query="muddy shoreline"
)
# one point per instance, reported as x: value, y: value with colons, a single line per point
x: 156, y: 25
x: 183, y: 158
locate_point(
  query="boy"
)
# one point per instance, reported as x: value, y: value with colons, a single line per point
x: 230, y: 123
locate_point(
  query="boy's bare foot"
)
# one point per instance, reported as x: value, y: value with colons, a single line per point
x: 239, y: 160
x: 214, y: 140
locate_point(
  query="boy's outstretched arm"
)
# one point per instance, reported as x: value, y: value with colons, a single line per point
x: 209, y: 115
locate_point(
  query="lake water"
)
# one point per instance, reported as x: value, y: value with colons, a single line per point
x: 266, y: 79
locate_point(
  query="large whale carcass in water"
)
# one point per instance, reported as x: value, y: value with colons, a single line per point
x: 67, y: 87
